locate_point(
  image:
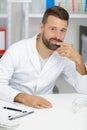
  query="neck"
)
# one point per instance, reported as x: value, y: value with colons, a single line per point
x: 43, y: 51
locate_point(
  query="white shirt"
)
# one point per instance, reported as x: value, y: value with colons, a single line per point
x: 20, y: 71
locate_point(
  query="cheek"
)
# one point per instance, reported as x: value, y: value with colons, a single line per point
x: 63, y: 36
x: 47, y: 34
x: 50, y: 34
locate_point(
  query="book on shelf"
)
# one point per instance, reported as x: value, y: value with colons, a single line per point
x: 73, y: 6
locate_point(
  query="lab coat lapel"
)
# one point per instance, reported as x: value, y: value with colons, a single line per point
x: 34, y: 57
x: 51, y: 62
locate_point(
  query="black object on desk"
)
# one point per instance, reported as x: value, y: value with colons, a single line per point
x: 14, y: 109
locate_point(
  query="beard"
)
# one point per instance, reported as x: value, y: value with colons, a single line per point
x: 50, y: 43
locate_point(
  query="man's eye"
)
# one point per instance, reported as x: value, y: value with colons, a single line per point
x: 63, y: 30
x: 52, y: 29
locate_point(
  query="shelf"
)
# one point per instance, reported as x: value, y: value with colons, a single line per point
x: 3, y: 15
x: 19, y: 1
x: 33, y: 15
x: 78, y: 15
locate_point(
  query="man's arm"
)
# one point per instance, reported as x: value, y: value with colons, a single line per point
x: 32, y: 101
x: 68, y: 51
x: 80, y: 66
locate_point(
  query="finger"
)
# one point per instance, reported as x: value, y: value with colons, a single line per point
x: 46, y: 103
x: 46, y: 106
x: 41, y: 102
x: 61, y: 44
x: 40, y: 106
x: 61, y: 51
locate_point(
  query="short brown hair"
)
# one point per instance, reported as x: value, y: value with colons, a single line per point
x: 56, y: 11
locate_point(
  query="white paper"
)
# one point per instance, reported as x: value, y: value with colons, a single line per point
x: 5, y: 113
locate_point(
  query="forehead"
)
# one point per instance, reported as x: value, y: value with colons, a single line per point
x: 57, y: 22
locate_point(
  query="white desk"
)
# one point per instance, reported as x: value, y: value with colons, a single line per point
x: 60, y: 117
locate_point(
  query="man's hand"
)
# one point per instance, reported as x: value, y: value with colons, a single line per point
x: 68, y: 51
x: 33, y: 101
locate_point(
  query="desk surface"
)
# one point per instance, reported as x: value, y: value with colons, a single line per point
x: 59, y: 117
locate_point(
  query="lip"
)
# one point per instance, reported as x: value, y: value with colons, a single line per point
x: 54, y: 42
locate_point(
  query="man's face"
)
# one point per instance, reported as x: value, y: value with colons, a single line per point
x: 53, y: 32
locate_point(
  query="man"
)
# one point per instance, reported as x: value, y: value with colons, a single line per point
x: 30, y: 67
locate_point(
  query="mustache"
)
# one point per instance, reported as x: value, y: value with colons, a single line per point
x: 58, y: 40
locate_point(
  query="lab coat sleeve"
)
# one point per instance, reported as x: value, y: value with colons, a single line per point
x: 7, y: 63
x: 73, y: 77
x: 82, y: 83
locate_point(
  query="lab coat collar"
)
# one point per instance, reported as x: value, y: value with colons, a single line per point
x: 53, y: 59
x: 34, y: 54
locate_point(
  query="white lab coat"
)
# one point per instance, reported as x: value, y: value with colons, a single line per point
x: 20, y: 71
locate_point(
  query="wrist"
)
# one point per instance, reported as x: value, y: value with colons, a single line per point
x: 19, y: 98
x: 86, y: 67
x: 79, y: 61
x: 80, y: 66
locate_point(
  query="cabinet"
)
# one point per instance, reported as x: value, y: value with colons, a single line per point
x: 3, y: 24
x: 6, y: 15
x: 5, y: 19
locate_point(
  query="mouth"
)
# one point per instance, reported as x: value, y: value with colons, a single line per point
x: 55, y: 41
x: 58, y: 46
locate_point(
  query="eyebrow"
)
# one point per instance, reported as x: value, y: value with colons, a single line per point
x: 56, y: 27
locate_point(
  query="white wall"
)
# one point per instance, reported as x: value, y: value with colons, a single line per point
x: 72, y: 36
x: 16, y: 22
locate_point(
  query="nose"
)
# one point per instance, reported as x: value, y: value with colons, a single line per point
x: 58, y: 34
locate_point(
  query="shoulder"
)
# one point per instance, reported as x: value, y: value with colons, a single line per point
x: 22, y: 45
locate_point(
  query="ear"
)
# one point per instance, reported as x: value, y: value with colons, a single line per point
x: 41, y: 27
